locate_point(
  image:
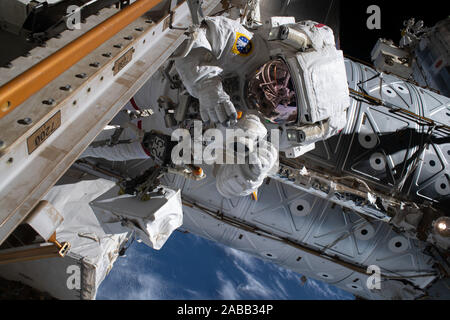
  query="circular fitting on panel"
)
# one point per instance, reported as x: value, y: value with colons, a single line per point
x: 389, y: 92
x: 432, y: 164
x: 300, y: 207
x: 446, y: 152
x: 400, y: 88
x: 398, y: 244
x: 441, y: 186
x: 269, y: 255
x: 367, y: 140
x: 325, y: 275
x: 365, y: 232
x: 377, y: 161
x: 353, y: 286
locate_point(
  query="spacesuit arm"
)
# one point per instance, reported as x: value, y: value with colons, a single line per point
x: 202, y: 78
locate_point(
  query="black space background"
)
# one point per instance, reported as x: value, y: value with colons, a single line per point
x: 357, y: 40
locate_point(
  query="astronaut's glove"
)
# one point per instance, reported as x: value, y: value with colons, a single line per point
x: 238, y: 180
x: 215, y: 104
x: 246, y: 134
x: 263, y: 160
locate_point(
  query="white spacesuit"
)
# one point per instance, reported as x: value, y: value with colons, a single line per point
x: 287, y: 74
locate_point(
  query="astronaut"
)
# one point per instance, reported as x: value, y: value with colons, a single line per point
x: 283, y: 75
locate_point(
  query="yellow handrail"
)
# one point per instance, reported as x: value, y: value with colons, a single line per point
x: 19, y: 89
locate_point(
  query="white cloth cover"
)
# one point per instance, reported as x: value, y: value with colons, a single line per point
x: 96, y: 236
x: 153, y: 220
x: 96, y: 248
x: 324, y: 77
x: 326, y: 89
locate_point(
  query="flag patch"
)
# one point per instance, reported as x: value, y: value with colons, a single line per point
x: 243, y: 46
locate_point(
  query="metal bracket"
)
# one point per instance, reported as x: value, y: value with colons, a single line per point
x: 171, y: 14
x: 63, y: 248
x: 195, y: 7
x: 34, y: 252
x: 115, y: 137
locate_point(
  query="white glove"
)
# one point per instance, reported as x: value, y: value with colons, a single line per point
x: 238, y: 180
x: 263, y: 160
x: 234, y: 180
x: 247, y: 131
x: 215, y: 104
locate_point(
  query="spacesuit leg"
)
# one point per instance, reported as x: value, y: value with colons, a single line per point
x: 128, y: 147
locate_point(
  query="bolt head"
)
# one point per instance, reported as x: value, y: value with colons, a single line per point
x: 25, y: 121
x: 49, y: 101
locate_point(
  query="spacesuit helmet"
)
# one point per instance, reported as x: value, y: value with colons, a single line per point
x: 271, y: 91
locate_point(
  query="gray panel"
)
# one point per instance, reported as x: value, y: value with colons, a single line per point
x: 278, y: 208
x: 344, y: 234
x: 371, y: 156
x: 36, y: 274
x: 322, y: 226
x: 205, y: 192
x: 379, y: 146
x: 197, y: 222
x: 400, y: 256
